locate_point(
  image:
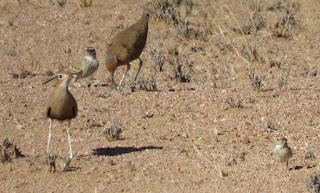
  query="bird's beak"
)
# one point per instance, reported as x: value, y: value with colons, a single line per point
x: 72, y: 76
x: 49, y: 80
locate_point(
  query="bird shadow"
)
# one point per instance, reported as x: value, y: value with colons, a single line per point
x: 301, y: 167
x: 71, y: 169
x: 114, y: 151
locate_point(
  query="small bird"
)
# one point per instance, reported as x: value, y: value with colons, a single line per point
x: 282, y: 152
x: 127, y: 46
x: 61, y: 105
x: 84, y: 68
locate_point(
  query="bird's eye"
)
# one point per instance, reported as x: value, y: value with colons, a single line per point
x: 60, y: 76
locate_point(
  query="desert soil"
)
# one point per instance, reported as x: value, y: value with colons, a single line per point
x: 205, y: 128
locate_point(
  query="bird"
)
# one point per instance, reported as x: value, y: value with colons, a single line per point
x: 61, y: 105
x: 281, y: 152
x: 127, y: 46
x: 85, y: 67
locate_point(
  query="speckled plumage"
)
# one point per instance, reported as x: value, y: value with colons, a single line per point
x: 282, y: 152
x: 84, y: 68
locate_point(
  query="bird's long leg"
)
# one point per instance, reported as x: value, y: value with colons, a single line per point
x: 112, y: 77
x: 69, y: 137
x: 140, y: 65
x: 50, y: 133
x: 125, y: 74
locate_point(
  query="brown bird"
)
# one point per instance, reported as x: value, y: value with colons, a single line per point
x: 61, y: 105
x: 127, y: 46
x: 84, y: 68
x: 282, y: 152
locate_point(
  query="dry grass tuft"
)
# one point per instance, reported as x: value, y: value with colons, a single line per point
x: 255, y: 81
x: 84, y: 3
x: 182, y: 72
x: 62, y: 3
x: 286, y: 25
x: 313, y: 182
x: 145, y: 84
x: 283, y: 80
x: 256, y: 23
x: 231, y: 103
x: 9, y: 151
x: 113, y: 131
x: 163, y: 10
x: 51, y: 161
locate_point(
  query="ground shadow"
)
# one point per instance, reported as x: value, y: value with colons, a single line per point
x: 301, y: 167
x: 114, y: 151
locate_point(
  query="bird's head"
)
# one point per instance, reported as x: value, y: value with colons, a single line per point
x: 91, y: 52
x: 63, y: 78
x: 280, y: 140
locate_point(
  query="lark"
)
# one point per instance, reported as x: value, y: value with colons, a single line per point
x: 82, y: 68
x: 282, y: 152
x: 127, y: 46
x: 61, y: 105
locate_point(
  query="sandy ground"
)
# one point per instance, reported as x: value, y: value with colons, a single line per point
x: 209, y: 134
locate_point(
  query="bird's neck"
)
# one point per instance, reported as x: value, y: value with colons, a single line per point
x: 64, y: 87
x: 89, y: 57
x: 278, y: 146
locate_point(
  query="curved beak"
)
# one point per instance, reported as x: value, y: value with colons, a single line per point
x: 49, y: 80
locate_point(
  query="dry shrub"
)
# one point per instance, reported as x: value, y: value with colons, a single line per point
x: 283, y: 80
x: 62, y: 3
x: 255, y: 81
x: 113, y: 131
x: 9, y: 151
x: 156, y: 53
x: 27, y: 70
x: 313, y: 182
x: 164, y: 10
x: 286, y: 25
x: 255, y: 23
x: 84, y: 3
x: 182, y: 70
x: 252, y: 53
x: 231, y: 103
x: 51, y: 161
x: 145, y: 84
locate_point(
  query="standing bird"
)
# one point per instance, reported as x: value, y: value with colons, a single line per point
x: 84, y: 68
x: 127, y: 46
x: 61, y: 105
x: 282, y: 152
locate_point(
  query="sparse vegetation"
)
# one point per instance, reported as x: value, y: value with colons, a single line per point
x: 65, y: 163
x: 61, y: 3
x: 113, y: 131
x: 275, y: 64
x: 270, y: 127
x: 286, y: 26
x: 313, y: 182
x: 9, y: 151
x: 164, y: 10
x: 231, y: 103
x: 51, y: 161
x: 156, y: 54
x: 84, y: 3
x: 182, y: 72
x: 283, y: 80
x: 255, y: 81
x: 252, y: 53
x: 26, y: 70
x: 145, y: 84
x: 309, y: 156
x: 255, y: 23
